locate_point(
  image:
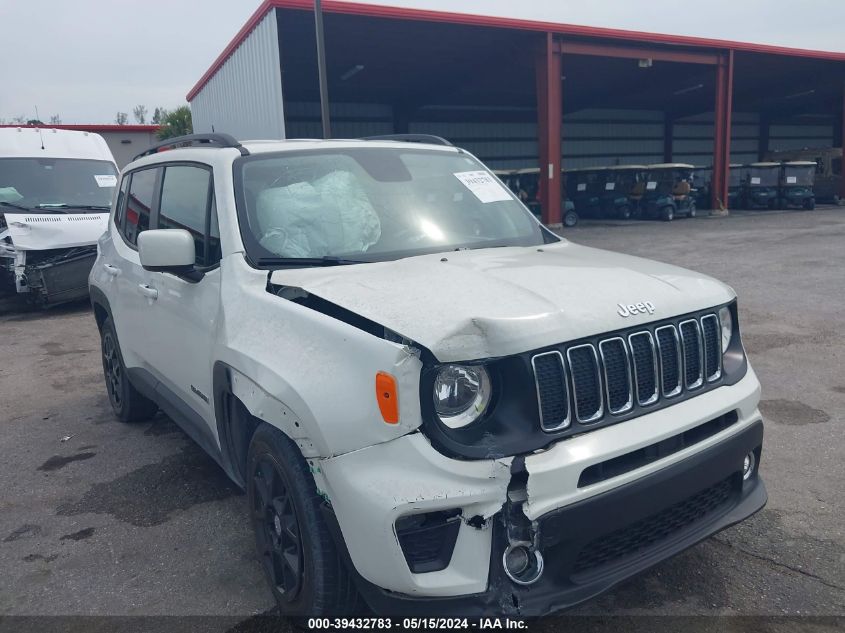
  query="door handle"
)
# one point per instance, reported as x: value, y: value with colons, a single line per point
x: 147, y: 291
x: 114, y: 271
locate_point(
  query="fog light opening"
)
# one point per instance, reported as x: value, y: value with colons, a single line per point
x: 748, y: 465
x: 522, y: 564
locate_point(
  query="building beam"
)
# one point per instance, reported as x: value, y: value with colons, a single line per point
x: 549, y: 120
x: 763, y: 135
x: 722, y: 131
x: 568, y: 47
x: 842, y: 144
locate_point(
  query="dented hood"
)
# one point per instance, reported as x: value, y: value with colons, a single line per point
x: 467, y: 305
x: 44, y: 231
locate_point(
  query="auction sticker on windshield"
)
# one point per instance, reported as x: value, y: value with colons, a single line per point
x: 484, y: 186
x: 106, y: 180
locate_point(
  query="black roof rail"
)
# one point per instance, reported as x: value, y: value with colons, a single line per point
x: 216, y: 140
x: 410, y: 138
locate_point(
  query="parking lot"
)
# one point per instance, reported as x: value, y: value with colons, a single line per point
x: 99, y: 518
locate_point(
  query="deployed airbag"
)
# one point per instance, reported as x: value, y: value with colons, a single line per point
x: 329, y: 216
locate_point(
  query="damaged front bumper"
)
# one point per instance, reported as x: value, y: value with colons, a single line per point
x: 48, y: 277
x: 590, y: 533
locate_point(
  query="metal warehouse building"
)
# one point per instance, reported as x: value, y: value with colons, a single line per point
x: 522, y: 93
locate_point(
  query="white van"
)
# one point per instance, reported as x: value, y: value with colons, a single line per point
x: 56, y: 188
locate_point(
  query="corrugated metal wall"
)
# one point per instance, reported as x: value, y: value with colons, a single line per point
x: 693, y: 138
x: 349, y: 120
x: 244, y: 97
x: 799, y: 136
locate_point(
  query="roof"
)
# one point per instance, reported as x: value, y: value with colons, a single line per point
x: 671, y: 166
x: 379, y: 11
x: 30, y: 142
x: 94, y: 127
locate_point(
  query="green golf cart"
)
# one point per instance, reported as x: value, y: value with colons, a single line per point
x: 795, y: 188
x: 668, y: 192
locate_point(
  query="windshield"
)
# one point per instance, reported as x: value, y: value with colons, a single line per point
x: 57, y: 182
x: 801, y: 176
x: 763, y: 176
x: 374, y: 204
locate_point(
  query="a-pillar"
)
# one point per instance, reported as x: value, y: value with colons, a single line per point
x: 722, y: 130
x: 549, y: 116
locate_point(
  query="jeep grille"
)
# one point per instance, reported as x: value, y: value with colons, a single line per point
x: 612, y: 375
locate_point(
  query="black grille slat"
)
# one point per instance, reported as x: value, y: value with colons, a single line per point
x: 586, y: 383
x: 641, y: 535
x: 645, y: 366
x: 712, y: 345
x: 691, y: 343
x: 670, y: 361
x: 617, y: 375
x: 552, y: 393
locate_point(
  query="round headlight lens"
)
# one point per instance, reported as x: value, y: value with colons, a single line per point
x: 461, y: 394
x: 727, y: 322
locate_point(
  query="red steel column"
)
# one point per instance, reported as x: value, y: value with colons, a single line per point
x: 842, y: 145
x: 549, y: 116
x: 722, y: 130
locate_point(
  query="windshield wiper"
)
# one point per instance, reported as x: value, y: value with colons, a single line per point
x: 64, y: 205
x: 307, y: 262
x: 13, y: 205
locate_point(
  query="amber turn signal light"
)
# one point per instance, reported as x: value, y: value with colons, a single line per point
x: 387, y: 397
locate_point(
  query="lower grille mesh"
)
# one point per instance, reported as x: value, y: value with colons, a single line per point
x: 645, y: 533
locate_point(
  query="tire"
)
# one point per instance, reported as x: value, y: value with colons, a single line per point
x: 810, y: 204
x: 570, y: 219
x: 692, y: 211
x: 667, y: 214
x: 625, y: 212
x: 311, y: 578
x: 127, y: 402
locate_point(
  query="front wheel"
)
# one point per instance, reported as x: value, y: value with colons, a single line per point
x: 570, y: 218
x: 692, y: 211
x: 625, y: 212
x: 126, y: 402
x: 810, y: 204
x: 300, y: 560
x: 667, y: 214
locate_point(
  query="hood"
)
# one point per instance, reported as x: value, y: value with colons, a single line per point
x: 468, y: 305
x: 43, y: 231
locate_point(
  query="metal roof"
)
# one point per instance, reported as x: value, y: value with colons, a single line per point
x: 400, y: 13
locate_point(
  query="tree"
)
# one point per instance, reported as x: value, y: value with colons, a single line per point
x: 176, y: 123
x: 55, y: 120
x: 34, y: 122
x: 19, y: 120
x: 159, y: 115
x: 121, y: 118
x: 140, y: 113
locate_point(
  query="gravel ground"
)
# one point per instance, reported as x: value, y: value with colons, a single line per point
x: 99, y: 518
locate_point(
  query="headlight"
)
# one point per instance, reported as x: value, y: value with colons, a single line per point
x: 461, y: 394
x: 727, y: 323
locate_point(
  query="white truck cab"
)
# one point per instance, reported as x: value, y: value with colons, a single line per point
x: 434, y: 404
x: 56, y: 189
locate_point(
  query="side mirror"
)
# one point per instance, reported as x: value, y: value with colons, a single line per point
x: 168, y: 251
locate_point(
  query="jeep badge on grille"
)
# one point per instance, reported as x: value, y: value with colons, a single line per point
x: 635, y: 308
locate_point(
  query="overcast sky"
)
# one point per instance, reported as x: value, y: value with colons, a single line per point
x: 85, y: 60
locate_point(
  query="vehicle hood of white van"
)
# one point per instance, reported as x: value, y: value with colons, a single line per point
x: 474, y: 304
x: 43, y: 231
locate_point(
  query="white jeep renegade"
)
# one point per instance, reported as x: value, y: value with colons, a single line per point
x: 433, y: 402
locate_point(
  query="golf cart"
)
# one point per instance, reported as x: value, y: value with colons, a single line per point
x: 525, y: 184
x: 736, y: 177
x: 620, y: 182
x: 828, y: 183
x: 584, y: 187
x: 702, y: 186
x: 796, y: 185
x: 760, y: 186
x: 668, y: 192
